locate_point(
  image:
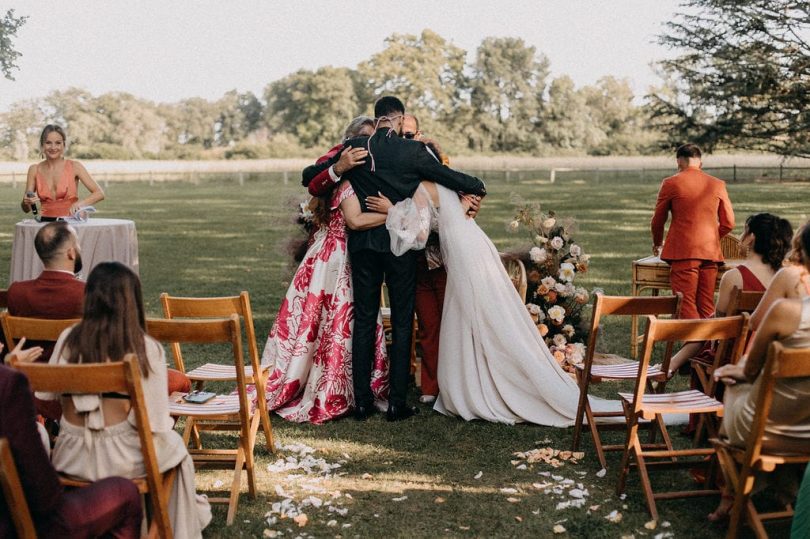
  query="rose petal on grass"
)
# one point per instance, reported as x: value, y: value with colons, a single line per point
x: 439, y: 499
x: 651, y: 525
x: 366, y: 476
x: 519, y: 519
x: 478, y: 476
x: 301, y: 520
x: 614, y: 516
x: 559, y: 528
x: 332, y: 523
x: 666, y: 524
x: 509, y: 490
x: 601, y: 473
x: 464, y: 528
x: 513, y: 500
x: 400, y: 499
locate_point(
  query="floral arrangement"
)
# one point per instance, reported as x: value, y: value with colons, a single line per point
x: 552, y: 264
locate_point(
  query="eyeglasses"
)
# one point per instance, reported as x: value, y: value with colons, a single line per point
x: 408, y: 135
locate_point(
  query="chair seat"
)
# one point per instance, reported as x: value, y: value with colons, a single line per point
x: 215, y: 372
x: 622, y: 371
x: 218, y: 406
x: 691, y: 401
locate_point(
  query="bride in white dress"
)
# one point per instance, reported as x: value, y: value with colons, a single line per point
x: 493, y: 364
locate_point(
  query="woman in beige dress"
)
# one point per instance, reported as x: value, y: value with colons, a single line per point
x: 788, y: 321
x: 98, y: 436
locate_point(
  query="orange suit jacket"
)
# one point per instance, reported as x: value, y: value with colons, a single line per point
x: 701, y: 215
x: 54, y: 294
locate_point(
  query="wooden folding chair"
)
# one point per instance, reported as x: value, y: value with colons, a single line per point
x: 517, y: 274
x: 14, y: 495
x: 119, y: 377
x: 640, y: 405
x: 588, y: 373
x: 739, y: 464
x: 33, y: 329
x: 732, y: 247
x: 740, y: 302
x: 227, y: 412
x: 221, y: 307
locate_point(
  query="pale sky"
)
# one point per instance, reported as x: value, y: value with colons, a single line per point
x: 168, y: 50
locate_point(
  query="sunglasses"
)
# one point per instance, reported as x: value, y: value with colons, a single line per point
x: 408, y: 135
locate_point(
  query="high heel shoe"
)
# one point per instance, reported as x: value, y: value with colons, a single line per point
x: 723, y: 510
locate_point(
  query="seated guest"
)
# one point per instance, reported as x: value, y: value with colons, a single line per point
x: 98, y: 437
x: 767, y: 238
x: 789, y: 282
x: 54, y: 183
x: 110, y: 507
x: 788, y: 426
x: 57, y: 293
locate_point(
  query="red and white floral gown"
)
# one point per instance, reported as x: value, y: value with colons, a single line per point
x: 310, y: 344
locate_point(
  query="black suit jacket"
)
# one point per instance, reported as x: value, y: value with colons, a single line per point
x: 399, y: 165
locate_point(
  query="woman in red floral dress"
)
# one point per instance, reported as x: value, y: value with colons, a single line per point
x: 310, y: 344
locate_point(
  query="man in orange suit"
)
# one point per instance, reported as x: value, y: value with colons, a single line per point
x: 701, y: 215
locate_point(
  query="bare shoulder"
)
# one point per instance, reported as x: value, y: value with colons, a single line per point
x: 77, y: 166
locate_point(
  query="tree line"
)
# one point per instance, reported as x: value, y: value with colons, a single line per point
x: 503, y: 101
x: 741, y: 80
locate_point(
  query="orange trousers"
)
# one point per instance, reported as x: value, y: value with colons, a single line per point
x: 695, y: 279
x: 430, y: 285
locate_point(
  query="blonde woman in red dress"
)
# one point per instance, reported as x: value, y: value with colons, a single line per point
x: 54, y: 182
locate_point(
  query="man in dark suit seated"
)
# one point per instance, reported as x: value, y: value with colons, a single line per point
x: 394, y: 167
x: 111, y: 506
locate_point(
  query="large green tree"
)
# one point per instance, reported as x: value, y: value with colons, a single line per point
x: 426, y: 72
x: 742, y: 78
x: 567, y: 121
x: 9, y: 25
x: 507, y: 87
x: 314, y: 106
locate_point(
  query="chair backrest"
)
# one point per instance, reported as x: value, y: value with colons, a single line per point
x: 14, y: 495
x: 517, y: 274
x: 743, y: 301
x: 626, y: 306
x: 119, y: 377
x: 33, y: 329
x: 732, y: 247
x: 219, y: 307
x: 3, y: 298
x: 207, y: 331
x: 781, y: 363
x: 731, y: 329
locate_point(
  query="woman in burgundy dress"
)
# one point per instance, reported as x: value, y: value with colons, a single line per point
x: 310, y: 344
x: 767, y: 238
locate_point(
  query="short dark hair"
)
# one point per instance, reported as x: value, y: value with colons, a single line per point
x: 688, y: 151
x: 50, y: 239
x: 388, y: 104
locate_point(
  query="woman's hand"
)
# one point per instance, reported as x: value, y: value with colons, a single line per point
x: 75, y: 207
x: 471, y: 205
x: 349, y: 159
x: 730, y: 374
x: 378, y: 204
x: 26, y: 356
x: 28, y: 202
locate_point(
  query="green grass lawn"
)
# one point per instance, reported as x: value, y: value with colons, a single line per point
x: 417, y: 478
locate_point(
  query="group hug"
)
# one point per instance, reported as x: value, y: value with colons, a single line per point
x: 388, y: 210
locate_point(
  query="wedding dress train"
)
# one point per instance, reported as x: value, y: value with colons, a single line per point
x: 493, y: 363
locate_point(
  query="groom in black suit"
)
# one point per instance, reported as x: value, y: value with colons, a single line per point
x: 394, y: 167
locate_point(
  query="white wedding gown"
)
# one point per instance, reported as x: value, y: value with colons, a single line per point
x: 493, y: 364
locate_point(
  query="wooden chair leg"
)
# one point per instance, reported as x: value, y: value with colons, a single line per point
x: 662, y: 428
x: 624, y: 467
x: 582, y: 383
x: 236, y: 485
x: 594, y: 430
x: 261, y: 404
x: 644, y: 477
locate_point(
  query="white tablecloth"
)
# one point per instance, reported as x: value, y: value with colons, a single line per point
x: 101, y: 240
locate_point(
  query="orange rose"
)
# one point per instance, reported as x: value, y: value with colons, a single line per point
x: 543, y: 329
x: 542, y: 290
x: 551, y: 297
x: 559, y: 357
